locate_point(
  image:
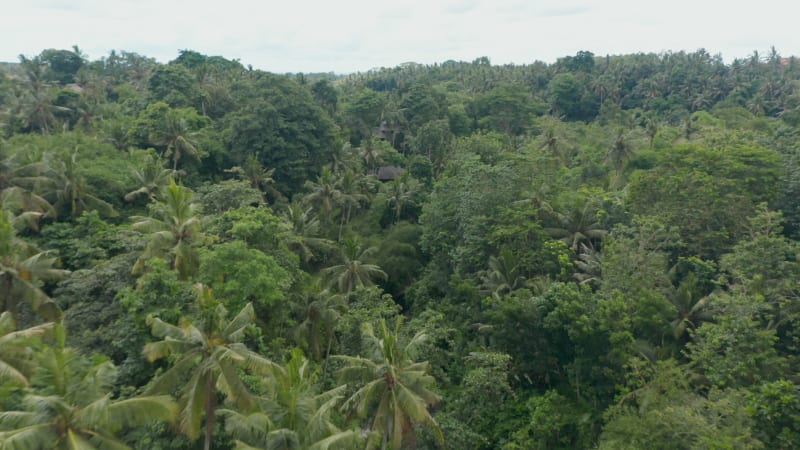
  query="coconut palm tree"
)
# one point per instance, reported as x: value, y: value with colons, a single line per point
x: 151, y: 177
x: 503, y: 275
x: 70, y: 406
x: 306, y: 230
x: 589, y: 265
x: 259, y: 177
x: 177, y: 139
x: 577, y: 224
x: 350, y: 197
x: 293, y: 415
x: 354, y: 271
x: 67, y: 188
x: 173, y: 228
x: 15, y: 353
x: 325, y: 194
x: 318, y: 311
x: 620, y: 151
x: 400, y: 193
x: 371, y: 154
x: 22, y: 267
x: 395, y: 394
x: 18, y: 179
x: 691, y: 306
x: 554, y: 143
x: 208, y: 357
x: 36, y: 102
x: 345, y: 157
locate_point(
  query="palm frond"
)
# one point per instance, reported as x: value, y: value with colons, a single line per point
x: 8, y: 372
x: 360, y: 400
x: 141, y: 410
x: 103, y: 442
x: 251, y: 427
x: 343, y: 440
x: 34, y: 437
x: 74, y: 441
x: 162, y: 349
x: 175, y: 375
x: 232, y: 385
x: 16, y: 419
x: 193, y: 410
x: 162, y: 329
x: 240, y: 321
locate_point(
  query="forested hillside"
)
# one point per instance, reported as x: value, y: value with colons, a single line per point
x: 600, y: 253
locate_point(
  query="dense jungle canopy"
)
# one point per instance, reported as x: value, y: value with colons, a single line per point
x: 600, y: 253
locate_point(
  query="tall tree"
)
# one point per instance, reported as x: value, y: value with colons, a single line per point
x: 16, y: 361
x: 20, y: 174
x: 151, y: 177
x: 350, y: 198
x: 178, y: 139
x: 293, y: 415
x: 208, y: 356
x: 620, y: 151
x: 71, y: 408
x: 22, y: 267
x: 174, y: 227
x: 400, y: 193
x: 396, y: 393
x: 67, y: 186
x: 259, y: 177
x: 318, y: 311
x: 354, y: 271
x: 577, y: 223
x: 325, y: 193
x: 306, y: 231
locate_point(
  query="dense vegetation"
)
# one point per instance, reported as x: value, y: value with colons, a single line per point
x: 596, y: 253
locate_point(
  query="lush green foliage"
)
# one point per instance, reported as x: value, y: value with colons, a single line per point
x: 596, y: 253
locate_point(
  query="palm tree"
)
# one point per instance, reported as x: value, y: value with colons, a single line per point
x: 207, y: 358
x: 318, y: 311
x: 306, y: 229
x: 15, y: 353
x: 620, y: 152
x: 691, y: 306
x: 178, y: 140
x: 553, y: 141
x: 652, y: 127
x: 325, y: 193
x: 22, y: 266
x: 173, y: 229
x: 344, y: 157
x: 151, y: 178
x: 394, y: 119
x: 67, y: 187
x: 371, y: 154
x: 578, y: 224
x: 353, y: 272
x: 503, y: 275
x: 259, y: 177
x: 70, y: 406
x: 396, y: 393
x: 25, y: 208
x: 18, y: 178
x: 292, y: 416
x: 400, y: 193
x: 36, y: 101
x: 350, y: 197
x: 589, y: 265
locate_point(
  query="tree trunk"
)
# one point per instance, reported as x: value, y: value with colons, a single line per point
x: 211, y: 409
x: 327, y: 355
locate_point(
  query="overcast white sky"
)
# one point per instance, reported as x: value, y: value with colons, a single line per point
x: 356, y: 35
